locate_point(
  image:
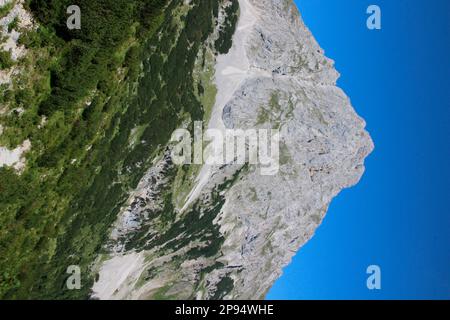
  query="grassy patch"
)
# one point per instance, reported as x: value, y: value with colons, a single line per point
x: 13, y: 25
x: 6, y: 61
x: 5, y: 9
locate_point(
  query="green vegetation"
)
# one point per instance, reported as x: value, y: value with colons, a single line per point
x: 161, y: 294
x: 62, y: 71
x: 13, y: 25
x: 194, y: 228
x: 225, y: 285
x: 285, y: 155
x: 82, y: 93
x: 273, y: 112
x: 205, y: 88
x: 224, y: 42
x: 6, y: 61
x: 5, y: 9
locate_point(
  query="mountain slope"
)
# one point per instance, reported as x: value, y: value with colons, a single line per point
x: 226, y: 231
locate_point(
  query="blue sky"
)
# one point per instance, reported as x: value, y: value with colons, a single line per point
x: 398, y: 216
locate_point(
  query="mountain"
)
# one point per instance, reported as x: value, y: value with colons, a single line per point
x: 104, y: 191
x: 236, y: 229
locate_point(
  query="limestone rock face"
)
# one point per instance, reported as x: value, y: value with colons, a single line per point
x: 274, y: 76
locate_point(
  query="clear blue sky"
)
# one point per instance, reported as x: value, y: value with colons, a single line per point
x: 398, y: 216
